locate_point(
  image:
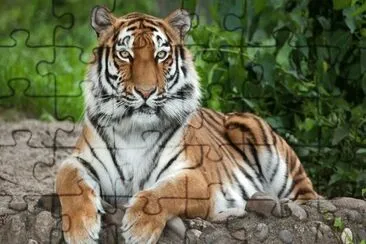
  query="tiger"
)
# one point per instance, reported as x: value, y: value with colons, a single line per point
x: 148, y: 143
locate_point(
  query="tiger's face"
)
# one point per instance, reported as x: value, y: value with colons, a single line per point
x: 143, y: 74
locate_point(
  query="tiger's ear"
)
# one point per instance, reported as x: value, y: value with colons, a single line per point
x: 180, y: 21
x: 101, y: 19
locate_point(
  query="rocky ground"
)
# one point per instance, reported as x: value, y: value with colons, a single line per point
x: 29, y: 155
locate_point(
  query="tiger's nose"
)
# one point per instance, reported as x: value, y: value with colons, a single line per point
x: 144, y: 91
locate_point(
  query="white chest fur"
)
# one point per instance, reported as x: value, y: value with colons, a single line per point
x: 135, y: 155
x: 141, y: 156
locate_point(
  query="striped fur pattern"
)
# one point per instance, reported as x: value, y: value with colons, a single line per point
x: 147, y: 143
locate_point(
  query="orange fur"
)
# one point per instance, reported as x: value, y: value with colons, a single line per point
x: 77, y: 203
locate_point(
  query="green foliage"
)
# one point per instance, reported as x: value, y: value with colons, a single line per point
x: 308, y: 82
x: 34, y: 70
x: 338, y: 224
x: 301, y: 65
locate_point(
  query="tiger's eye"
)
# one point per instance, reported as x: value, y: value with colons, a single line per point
x: 125, y: 54
x: 161, y: 54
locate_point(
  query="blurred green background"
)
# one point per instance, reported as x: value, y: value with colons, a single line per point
x: 300, y: 64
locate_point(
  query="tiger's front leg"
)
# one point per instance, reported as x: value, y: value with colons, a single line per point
x: 80, y: 204
x: 185, y: 195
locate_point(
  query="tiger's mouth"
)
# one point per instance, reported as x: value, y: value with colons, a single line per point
x: 146, y: 109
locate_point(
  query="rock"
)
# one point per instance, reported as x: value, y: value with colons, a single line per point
x: 192, y: 236
x: 17, y: 228
x: 43, y: 225
x: 18, y: 206
x: 317, y: 232
x: 239, y: 235
x: 346, y: 236
x: 323, y: 206
x: 321, y: 230
x: 329, y: 218
x: 197, y: 223
x: 321, y: 226
x: 31, y: 241
x: 264, y: 204
x: 296, y: 210
x: 284, y: 200
x: 261, y: 231
x: 350, y: 203
x: 286, y: 236
x: 17, y: 224
x: 362, y: 234
x: 212, y: 235
x: 350, y: 215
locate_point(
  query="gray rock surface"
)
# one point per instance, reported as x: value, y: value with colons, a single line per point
x: 28, y: 166
x: 261, y: 231
x: 264, y: 204
x: 296, y: 210
x: 350, y: 203
x: 286, y: 236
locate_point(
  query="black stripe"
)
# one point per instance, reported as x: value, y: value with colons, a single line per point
x: 266, y: 141
x: 183, y: 93
x: 244, y: 194
x: 176, y: 69
x: 128, y: 113
x: 111, y: 150
x: 241, y: 153
x: 245, y: 160
x: 249, y: 177
x: 100, y: 57
x: 158, y: 154
x: 138, y: 19
x: 115, y: 36
x: 217, y: 140
x: 128, y: 98
x: 169, y: 163
x: 131, y: 28
x: 124, y: 40
x: 184, y: 70
x: 285, y: 194
x: 172, y: 77
x: 108, y: 75
x: 216, y: 122
x: 182, y: 53
x: 200, y: 163
x: 264, y: 134
x: 165, y: 44
x: 276, y: 167
x: 254, y: 153
x: 115, y: 57
x: 245, y: 129
x: 131, y: 22
x: 231, y: 156
x: 97, y: 158
x: 89, y: 168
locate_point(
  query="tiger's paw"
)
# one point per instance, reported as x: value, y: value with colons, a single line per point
x: 81, y: 219
x: 141, y: 226
x: 81, y: 228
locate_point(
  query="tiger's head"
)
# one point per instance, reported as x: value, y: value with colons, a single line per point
x: 142, y: 73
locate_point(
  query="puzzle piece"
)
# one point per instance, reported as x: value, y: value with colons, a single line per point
x: 247, y: 62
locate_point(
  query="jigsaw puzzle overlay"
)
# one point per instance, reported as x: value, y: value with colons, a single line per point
x: 300, y: 65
